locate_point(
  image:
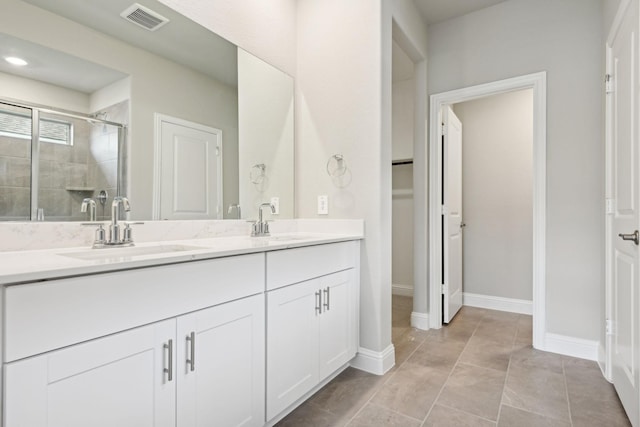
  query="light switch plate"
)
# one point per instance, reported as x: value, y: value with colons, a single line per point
x: 275, y: 201
x: 323, y: 205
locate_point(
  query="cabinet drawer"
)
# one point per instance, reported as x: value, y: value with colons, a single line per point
x: 43, y: 316
x: 300, y: 264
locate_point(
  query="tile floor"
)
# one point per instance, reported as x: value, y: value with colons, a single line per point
x: 478, y: 371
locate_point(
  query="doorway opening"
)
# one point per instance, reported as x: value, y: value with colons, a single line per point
x: 537, y: 83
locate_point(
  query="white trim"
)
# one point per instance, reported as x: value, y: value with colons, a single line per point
x: 511, y: 305
x: 420, y: 320
x: 158, y: 119
x: 602, y: 350
x: 537, y: 82
x: 375, y: 362
x: 571, y: 346
x: 402, y: 290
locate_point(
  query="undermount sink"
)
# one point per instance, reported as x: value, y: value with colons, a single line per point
x: 131, y: 251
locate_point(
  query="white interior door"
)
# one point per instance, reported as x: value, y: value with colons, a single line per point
x: 623, y: 115
x: 189, y: 178
x: 451, y: 214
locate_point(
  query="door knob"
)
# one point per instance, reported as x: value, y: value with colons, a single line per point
x: 634, y: 237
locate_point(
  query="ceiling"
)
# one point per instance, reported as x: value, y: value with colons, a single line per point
x: 207, y: 52
x: 434, y: 11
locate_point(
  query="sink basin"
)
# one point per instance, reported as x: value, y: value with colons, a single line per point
x: 106, y: 253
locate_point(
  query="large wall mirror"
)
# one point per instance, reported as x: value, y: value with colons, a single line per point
x: 160, y: 110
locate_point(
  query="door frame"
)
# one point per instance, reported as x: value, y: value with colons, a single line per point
x: 537, y: 82
x: 158, y: 119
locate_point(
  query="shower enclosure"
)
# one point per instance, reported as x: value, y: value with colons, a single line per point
x: 50, y: 161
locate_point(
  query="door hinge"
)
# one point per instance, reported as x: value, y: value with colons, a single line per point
x: 443, y: 289
x: 443, y: 130
x: 443, y: 210
x: 217, y: 150
x: 609, y: 328
x: 608, y: 83
x: 610, y: 206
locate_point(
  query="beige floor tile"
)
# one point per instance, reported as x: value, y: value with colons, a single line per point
x: 348, y: 392
x: 526, y: 357
x: 524, y: 335
x: 441, y: 416
x: 593, y: 400
x: 407, y: 343
x: 513, y: 417
x: 309, y: 415
x: 474, y: 390
x: 500, y: 331
x: 437, y: 354
x: 486, y: 353
x: 411, y: 390
x: 376, y: 416
x: 537, y: 390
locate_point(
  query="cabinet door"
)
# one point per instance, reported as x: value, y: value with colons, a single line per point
x: 337, y: 322
x: 292, y: 344
x: 118, y: 380
x: 223, y: 385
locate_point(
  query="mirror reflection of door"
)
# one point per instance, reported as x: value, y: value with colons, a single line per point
x: 188, y: 181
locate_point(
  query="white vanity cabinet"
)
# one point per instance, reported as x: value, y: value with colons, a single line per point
x: 312, y: 319
x: 221, y: 373
x: 201, y: 368
x: 113, y: 381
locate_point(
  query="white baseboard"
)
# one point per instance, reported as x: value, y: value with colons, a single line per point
x: 571, y: 346
x: 402, y: 290
x: 375, y: 362
x: 512, y: 305
x: 420, y: 320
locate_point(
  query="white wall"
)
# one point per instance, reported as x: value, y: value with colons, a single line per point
x: 497, y: 194
x: 564, y: 38
x: 32, y: 91
x: 266, y: 29
x: 265, y: 120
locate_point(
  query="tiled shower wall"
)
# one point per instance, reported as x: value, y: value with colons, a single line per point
x: 68, y: 174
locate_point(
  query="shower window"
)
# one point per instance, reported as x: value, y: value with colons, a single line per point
x: 16, y: 125
x: 50, y: 161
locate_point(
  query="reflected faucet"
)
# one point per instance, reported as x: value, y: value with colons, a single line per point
x: 91, y: 204
x: 238, y: 210
x: 260, y: 227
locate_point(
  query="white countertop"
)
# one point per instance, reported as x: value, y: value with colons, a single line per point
x: 27, y: 266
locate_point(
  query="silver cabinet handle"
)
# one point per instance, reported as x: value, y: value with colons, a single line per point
x: 634, y: 237
x: 327, y: 298
x: 191, y: 361
x: 319, y: 302
x: 169, y: 370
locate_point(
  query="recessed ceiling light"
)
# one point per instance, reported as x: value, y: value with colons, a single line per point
x: 14, y: 60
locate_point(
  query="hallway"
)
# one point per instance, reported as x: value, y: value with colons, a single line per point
x: 478, y: 371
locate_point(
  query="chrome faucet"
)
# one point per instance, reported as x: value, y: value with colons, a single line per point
x: 114, y: 228
x: 238, y: 210
x: 260, y: 227
x: 91, y: 204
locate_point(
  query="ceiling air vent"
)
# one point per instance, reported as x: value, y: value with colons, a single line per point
x: 144, y: 17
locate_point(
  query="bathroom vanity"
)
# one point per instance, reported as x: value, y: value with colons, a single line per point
x: 208, y: 332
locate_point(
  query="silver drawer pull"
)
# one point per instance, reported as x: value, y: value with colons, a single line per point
x: 191, y: 361
x: 319, y: 302
x: 327, y: 298
x: 169, y: 370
